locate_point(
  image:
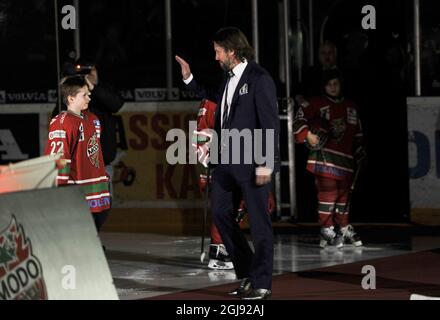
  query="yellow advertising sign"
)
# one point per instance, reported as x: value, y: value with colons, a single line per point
x: 143, y: 175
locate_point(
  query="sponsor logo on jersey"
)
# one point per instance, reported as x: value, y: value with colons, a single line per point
x: 351, y: 116
x: 98, y: 203
x: 97, y: 128
x: 325, y: 112
x: 93, y: 150
x: 21, y: 274
x: 81, y: 130
x: 57, y: 134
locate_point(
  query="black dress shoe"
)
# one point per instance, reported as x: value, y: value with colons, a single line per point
x: 258, y: 294
x: 243, y: 289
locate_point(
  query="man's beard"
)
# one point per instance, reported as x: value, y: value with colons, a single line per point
x: 226, y: 66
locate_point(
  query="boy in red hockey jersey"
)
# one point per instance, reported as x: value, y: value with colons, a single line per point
x: 76, y: 134
x: 331, y: 128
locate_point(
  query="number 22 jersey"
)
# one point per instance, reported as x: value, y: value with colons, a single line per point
x: 77, y: 137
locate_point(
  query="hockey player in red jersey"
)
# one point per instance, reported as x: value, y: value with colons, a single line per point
x: 331, y: 128
x: 76, y: 134
x: 218, y: 256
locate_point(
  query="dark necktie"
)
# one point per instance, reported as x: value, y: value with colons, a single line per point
x: 226, y: 104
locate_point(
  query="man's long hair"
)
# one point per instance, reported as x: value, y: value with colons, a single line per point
x: 232, y: 39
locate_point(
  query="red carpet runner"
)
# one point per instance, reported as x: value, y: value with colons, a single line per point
x: 397, y: 278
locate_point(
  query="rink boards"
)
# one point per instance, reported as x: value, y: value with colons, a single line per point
x: 49, y: 247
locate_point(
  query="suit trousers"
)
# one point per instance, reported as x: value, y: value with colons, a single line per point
x: 256, y: 265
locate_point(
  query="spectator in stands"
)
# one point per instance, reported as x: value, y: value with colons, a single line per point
x: 311, y: 86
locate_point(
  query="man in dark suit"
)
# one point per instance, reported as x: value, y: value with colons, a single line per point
x: 247, y: 102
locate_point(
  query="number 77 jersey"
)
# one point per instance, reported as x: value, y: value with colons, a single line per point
x: 78, y: 139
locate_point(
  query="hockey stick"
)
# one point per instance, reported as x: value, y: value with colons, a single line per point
x: 205, y: 215
x: 353, y: 185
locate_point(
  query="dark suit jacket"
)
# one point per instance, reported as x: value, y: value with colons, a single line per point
x: 254, y: 106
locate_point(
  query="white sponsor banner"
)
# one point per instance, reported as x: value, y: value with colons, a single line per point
x: 424, y: 151
x: 155, y: 94
x: 152, y: 106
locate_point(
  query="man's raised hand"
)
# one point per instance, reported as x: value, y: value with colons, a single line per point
x: 186, y: 71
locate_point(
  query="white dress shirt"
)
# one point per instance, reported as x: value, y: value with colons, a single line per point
x: 232, y: 86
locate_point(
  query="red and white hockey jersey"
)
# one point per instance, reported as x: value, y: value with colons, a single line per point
x: 205, y: 125
x: 336, y: 159
x: 78, y: 138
